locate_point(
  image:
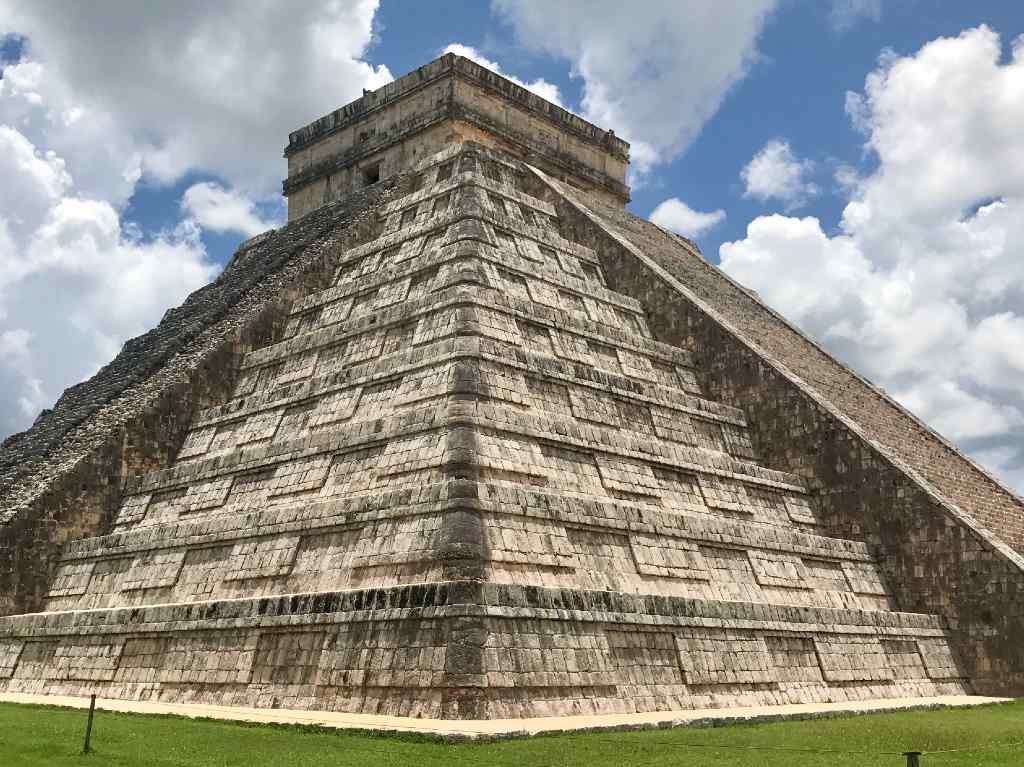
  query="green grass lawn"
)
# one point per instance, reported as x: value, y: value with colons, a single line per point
x: 40, y: 735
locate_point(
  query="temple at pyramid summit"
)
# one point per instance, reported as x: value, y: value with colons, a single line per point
x: 466, y: 439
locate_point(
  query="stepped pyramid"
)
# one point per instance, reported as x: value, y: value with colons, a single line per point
x: 466, y: 439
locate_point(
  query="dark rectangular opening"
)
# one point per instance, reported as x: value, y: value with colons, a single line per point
x: 445, y: 172
x: 371, y: 174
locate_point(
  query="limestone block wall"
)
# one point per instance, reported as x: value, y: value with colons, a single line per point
x: 448, y: 101
x: 294, y: 432
x: 471, y: 650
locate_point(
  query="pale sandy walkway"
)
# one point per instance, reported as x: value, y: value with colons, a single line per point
x: 504, y: 727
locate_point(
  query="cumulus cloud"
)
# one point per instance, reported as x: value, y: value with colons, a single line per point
x: 74, y: 283
x: 922, y: 286
x: 194, y: 85
x: 222, y: 210
x: 654, y: 72
x: 677, y: 216
x: 775, y: 173
x: 17, y: 363
x: 540, y: 86
x: 101, y: 96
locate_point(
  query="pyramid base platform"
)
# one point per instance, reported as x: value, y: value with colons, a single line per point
x: 470, y: 650
x: 475, y: 729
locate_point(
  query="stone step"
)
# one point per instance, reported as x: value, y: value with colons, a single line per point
x: 671, y: 387
x: 615, y: 516
x: 617, y: 451
x: 481, y: 299
x: 559, y: 539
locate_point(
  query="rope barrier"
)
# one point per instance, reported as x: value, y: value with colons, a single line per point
x: 796, y: 749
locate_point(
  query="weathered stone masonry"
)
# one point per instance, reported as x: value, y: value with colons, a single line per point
x: 474, y: 442
x: 888, y: 480
x: 62, y: 479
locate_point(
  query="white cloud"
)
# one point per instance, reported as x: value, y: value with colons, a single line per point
x: 677, y: 216
x: 110, y: 93
x: 74, y: 284
x: 221, y: 210
x: 775, y: 172
x: 922, y: 287
x: 655, y: 71
x: 540, y: 86
x: 17, y: 363
x: 163, y: 89
x: 845, y: 14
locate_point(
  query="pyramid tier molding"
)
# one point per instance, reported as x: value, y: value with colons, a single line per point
x: 383, y: 538
x: 209, y: 482
x: 467, y: 650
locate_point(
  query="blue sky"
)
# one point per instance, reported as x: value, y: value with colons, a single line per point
x: 857, y: 162
x: 795, y: 90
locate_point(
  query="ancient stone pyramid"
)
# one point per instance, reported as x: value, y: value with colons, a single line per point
x: 466, y: 439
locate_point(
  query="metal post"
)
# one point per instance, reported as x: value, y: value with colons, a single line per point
x: 88, y: 725
x: 913, y: 759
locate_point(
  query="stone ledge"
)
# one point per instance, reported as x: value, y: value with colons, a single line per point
x: 464, y: 296
x: 343, y: 513
x: 431, y: 418
x: 495, y: 729
x: 479, y: 347
x: 460, y: 599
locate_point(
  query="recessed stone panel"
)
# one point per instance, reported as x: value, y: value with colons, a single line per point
x: 287, y: 657
x: 262, y: 557
x: 680, y: 491
x: 939, y: 661
x: 153, y: 569
x: 708, y: 657
x: 10, y: 652
x: 392, y: 293
x: 904, y: 658
x: 668, y: 557
x: 572, y: 347
x: 133, y: 509
x: 197, y: 442
x: 781, y: 570
x: 207, y: 494
x: 629, y: 476
x: 353, y: 471
x: 864, y: 578
x: 590, y: 405
x: 800, y: 509
x: 304, y: 475
x: 794, y: 658
x: 523, y: 540
x: 71, y: 579
x: 635, y: 365
x: 260, y: 427
x: 725, y: 494
x: 334, y: 408
x: 223, y: 657
x: 853, y: 659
